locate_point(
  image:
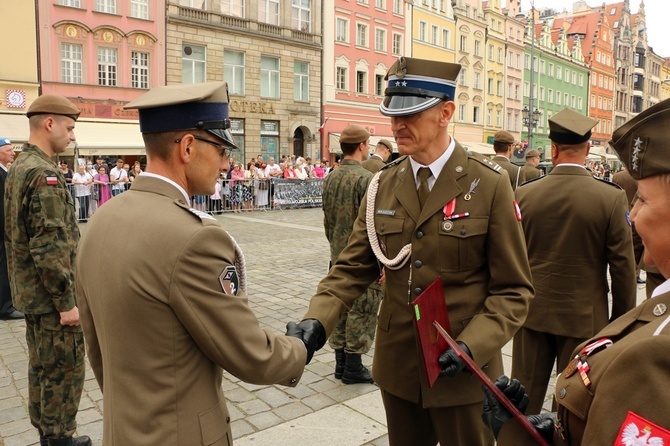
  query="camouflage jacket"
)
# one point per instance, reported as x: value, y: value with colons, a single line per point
x: 41, y: 234
x: 343, y: 192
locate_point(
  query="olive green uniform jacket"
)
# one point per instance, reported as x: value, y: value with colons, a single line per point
x: 482, y: 264
x: 373, y: 164
x: 517, y: 175
x: 630, y: 375
x: 530, y: 172
x: 163, y: 316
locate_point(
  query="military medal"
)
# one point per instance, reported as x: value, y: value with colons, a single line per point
x: 447, y: 226
x: 660, y: 309
x: 572, y: 367
x: 584, y: 368
x: 471, y: 191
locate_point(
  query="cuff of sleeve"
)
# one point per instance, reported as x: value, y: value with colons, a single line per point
x: 65, y: 303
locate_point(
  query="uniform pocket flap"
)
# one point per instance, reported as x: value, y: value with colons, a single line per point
x: 388, y: 225
x: 464, y: 227
x: 212, y: 425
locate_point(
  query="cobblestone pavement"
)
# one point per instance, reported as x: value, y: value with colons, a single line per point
x: 287, y: 254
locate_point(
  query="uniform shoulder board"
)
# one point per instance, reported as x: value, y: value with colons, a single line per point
x: 204, y: 216
x: 534, y: 179
x: 485, y: 161
x: 394, y: 163
x: 609, y: 182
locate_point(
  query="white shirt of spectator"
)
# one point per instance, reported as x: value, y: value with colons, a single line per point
x: 118, y: 174
x: 82, y: 190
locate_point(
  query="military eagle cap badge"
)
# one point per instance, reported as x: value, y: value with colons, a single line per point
x: 635, y: 430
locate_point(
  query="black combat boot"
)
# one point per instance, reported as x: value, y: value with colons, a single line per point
x: 71, y: 441
x: 355, y: 372
x: 339, y: 362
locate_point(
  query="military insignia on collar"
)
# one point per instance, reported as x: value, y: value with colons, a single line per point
x: 401, y: 69
x: 637, y: 430
x: 230, y: 282
x: 638, y: 147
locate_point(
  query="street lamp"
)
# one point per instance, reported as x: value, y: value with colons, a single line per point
x: 530, y: 120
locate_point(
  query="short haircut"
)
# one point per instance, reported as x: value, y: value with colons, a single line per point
x: 160, y: 145
x: 499, y: 147
x: 348, y: 148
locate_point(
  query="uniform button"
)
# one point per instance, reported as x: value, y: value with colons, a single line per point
x: 463, y: 232
x: 417, y: 291
x: 418, y: 264
x: 562, y: 393
x: 381, y: 229
x: 419, y: 234
x: 293, y: 381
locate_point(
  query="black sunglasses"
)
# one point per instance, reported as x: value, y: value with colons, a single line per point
x: 225, y: 150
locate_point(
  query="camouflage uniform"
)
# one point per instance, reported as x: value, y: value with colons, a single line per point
x: 41, y: 239
x: 343, y: 192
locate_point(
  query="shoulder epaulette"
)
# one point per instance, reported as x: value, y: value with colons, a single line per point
x: 609, y: 182
x: 204, y: 217
x: 485, y: 161
x: 395, y: 162
x: 534, y: 179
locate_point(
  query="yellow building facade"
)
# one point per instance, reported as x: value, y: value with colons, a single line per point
x: 433, y: 31
x: 495, y: 70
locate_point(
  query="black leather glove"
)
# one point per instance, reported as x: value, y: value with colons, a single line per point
x: 544, y: 423
x: 450, y: 362
x: 309, y: 331
x: 495, y: 414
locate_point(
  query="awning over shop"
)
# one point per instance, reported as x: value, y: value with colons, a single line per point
x: 112, y: 138
x: 14, y: 127
x: 479, y: 147
x: 334, y: 142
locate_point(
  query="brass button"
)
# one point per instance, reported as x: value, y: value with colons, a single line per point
x: 419, y: 234
x: 417, y: 291
x: 381, y: 229
x: 418, y: 264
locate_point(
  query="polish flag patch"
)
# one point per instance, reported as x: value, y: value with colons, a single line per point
x: 517, y: 211
x: 52, y: 181
x: 635, y: 430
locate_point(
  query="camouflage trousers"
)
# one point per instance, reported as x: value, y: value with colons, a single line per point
x: 56, y: 371
x: 355, y: 330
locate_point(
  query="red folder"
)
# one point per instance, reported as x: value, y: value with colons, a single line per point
x: 429, y: 307
x: 472, y: 365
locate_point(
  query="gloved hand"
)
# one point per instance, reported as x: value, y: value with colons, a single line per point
x: 544, y: 423
x: 310, y: 332
x: 495, y: 414
x: 450, y: 362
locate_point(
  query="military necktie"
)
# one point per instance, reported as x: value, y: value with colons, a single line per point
x: 423, y: 174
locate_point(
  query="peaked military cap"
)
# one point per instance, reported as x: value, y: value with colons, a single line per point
x: 504, y: 137
x: 415, y: 85
x: 353, y: 134
x: 532, y: 153
x: 53, y: 104
x: 570, y: 127
x: 186, y: 107
x: 642, y: 142
x: 385, y: 142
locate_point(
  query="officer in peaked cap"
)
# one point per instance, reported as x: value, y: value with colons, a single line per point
x: 532, y: 161
x: 619, y: 395
x: 503, y: 142
x: 439, y: 213
x: 382, y: 154
x: 594, y: 229
x: 166, y: 318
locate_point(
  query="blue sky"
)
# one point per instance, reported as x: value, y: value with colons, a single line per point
x: 656, y: 11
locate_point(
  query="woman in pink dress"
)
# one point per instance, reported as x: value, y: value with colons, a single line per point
x: 101, y: 181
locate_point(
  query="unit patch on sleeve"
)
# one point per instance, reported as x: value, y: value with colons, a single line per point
x: 230, y: 282
x: 635, y: 430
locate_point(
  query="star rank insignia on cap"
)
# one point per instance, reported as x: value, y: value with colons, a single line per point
x: 230, y: 282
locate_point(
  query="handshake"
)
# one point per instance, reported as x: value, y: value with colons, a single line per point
x: 310, y: 332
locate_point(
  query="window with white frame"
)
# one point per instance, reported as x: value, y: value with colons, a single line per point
x: 498, y: 116
x: 379, y: 84
x: 361, y: 82
x: 232, y: 7
x: 71, y: 63
x: 581, y: 80
x: 475, y: 114
x: 489, y: 113
x: 566, y: 99
x: 573, y: 101
x: 490, y: 86
x: 446, y: 38
x: 477, y: 47
x: 423, y: 30
x: 193, y: 64
x: 574, y: 78
x: 234, y: 71
x: 269, y: 77
x: 139, y: 69
x: 300, y: 81
x: 461, y: 112
x: 433, y: 34
x: 341, y: 78
x: 300, y: 14
x: 197, y: 4
x: 463, y: 44
x: 550, y: 96
x: 500, y: 55
x: 477, y: 77
x: 491, y: 52
x: 559, y: 73
x: 397, y: 44
x: 107, y: 67
x: 516, y: 92
x: 558, y: 97
x: 108, y: 6
x: 362, y: 35
x: 341, y: 30
x: 71, y: 3
x: 526, y: 89
x: 139, y: 9
x: 526, y: 61
x: 269, y: 11
x: 380, y: 39
x: 499, y: 85
x: 462, y: 76
x: 380, y: 4
x: 397, y: 6
x: 509, y: 90
x: 580, y: 103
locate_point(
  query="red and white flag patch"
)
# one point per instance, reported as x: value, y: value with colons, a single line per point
x: 52, y: 181
x: 517, y: 211
x: 635, y: 430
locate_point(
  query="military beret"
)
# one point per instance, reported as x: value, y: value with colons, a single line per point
x: 570, y: 127
x: 353, y: 134
x: 5, y: 142
x: 53, y: 104
x: 503, y: 137
x: 385, y: 142
x: 171, y: 108
x: 532, y: 153
x: 415, y: 85
x: 642, y: 142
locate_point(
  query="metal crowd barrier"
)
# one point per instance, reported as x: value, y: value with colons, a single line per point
x: 234, y: 196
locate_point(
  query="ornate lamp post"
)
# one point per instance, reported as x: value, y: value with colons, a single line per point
x: 530, y: 120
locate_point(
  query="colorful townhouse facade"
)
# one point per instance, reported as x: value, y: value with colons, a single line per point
x: 102, y: 54
x: 363, y: 38
x: 494, y: 94
x: 515, y: 29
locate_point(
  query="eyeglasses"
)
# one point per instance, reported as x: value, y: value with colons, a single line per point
x: 225, y: 150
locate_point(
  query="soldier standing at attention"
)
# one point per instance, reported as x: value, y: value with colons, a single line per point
x: 41, y: 236
x: 163, y: 321
x: 343, y: 193
x: 502, y: 144
x: 438, y: 213
x: 530, y: 169
x: 378, y: 159
x: 576, y: 227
